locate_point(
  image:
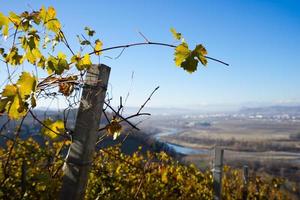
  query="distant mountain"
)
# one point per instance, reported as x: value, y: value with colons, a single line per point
x: 272, y: 110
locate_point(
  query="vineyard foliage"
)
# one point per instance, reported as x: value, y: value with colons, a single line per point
x: 35, y: 172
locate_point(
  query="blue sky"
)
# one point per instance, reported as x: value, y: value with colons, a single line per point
x: 259, y: 39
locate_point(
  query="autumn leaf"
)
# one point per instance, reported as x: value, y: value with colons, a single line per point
x: 164, y: 175
x: 15, y: 18
x: 66, y: 87
x: 98, y: 47
x: 201, y: 52
x: 56, y: 64
x: 181, y: 53
x: 4, y: 24
x: 26, y: 85
x: 53, y: 128
x: 49, y: 18
x: 114, y: 128
x: 13, y: 57
x: 14, y: 96
x: 82, y: 62
x: 188, y: 59
x: 177, y: 36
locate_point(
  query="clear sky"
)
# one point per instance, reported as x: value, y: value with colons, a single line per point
x: 259, y: 39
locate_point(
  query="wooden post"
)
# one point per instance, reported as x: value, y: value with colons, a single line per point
x: 246, y: 181
x: 79, y: 158
x: 217, y: 172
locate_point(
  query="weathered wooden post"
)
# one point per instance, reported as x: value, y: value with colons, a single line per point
x: 217, y: 172
x: 246, y: 181
x: 79, y: 158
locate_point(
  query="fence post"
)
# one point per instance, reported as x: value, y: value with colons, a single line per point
x: 217, y: 172
x: 246, y: 181
x: 79, y: 158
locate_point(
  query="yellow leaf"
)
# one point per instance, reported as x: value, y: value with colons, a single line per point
x: 51, y: 13
x: 33, y: 55
x: 201, y: 52
x: 181, y: 53
x: 57, y: 64
x: 13, y: 57
x: 16, y: 108
x: 98, y: 47
x: 14, y: 18
x: 176, y: 35
x: 82, y: 63
x: 43, y: 13
x: 26, y: 84
x: 49, y: 18
x: 164, y: 176
x: 9, y: 90
x: 14, y: 97
x: 4, y: 24
x: 61, y: 55
x: 53, y: 128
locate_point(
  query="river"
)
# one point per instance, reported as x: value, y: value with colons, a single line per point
x: 179, y: 148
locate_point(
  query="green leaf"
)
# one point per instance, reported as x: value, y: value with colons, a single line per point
x: 4, y: 24
x: 176, y: 35
x: 53, y: 128
x: 98, y: 47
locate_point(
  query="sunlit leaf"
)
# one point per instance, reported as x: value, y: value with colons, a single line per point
x: 181, y: 53
x: 53, y: 128
x: 9, y: 90
x: 17, y: 108
x: 201, y: 52
x: 57, y: 64
x: 82, y: 62
x: 98, y: 47
x: 14, y: 18
x: 13, y: 57
x: 176, y: 35
x: 4, y: 24
x: 26, y: 84
x: 49, y: 18
x: 188, y: 59
x: 164, y: 176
